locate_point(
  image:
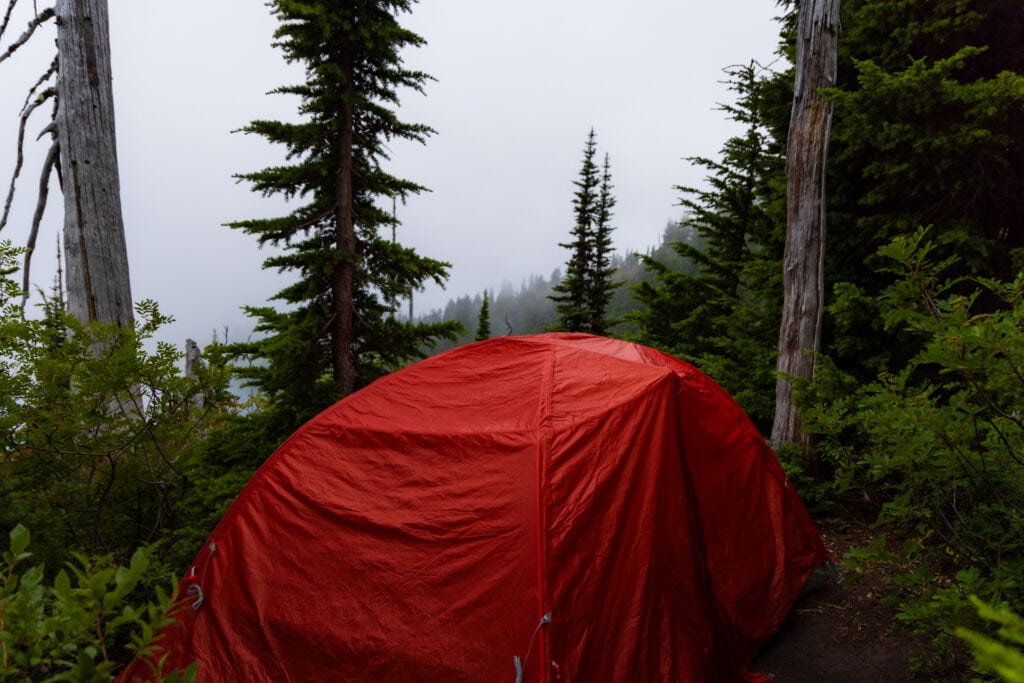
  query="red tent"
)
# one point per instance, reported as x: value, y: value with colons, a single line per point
x: 554, y: 507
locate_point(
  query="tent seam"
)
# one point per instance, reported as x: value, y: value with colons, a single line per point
x: 543, y: 459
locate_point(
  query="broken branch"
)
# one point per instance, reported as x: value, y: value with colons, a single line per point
x: 7, y: 17
x: 25, y: 113
x: 44, y: 190
x: 44, y: 16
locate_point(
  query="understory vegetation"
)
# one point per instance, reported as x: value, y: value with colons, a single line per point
x: 935, y: 449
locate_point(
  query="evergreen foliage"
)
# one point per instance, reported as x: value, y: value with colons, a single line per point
x: 483, y: 320
x: 582, y: 296
x: 601, y: 285
x: 926, y: 133
x: 339, y: 329
x: 916, y: 398
x: 724, y: 315
x: 515, y: 310
x: 528, y: 309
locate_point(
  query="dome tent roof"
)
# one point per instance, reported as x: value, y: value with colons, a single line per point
x: 567, y: 505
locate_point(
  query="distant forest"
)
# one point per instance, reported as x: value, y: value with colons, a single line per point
x: 527, y: 309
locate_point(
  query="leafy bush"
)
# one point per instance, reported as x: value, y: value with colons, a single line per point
x: 80, y: 626
x: 939, y: 444
x: 98, y: 427
x: 1004, y: 656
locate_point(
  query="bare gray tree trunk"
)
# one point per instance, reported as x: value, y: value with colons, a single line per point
x: 806, y: 155
x: 193, y: 360
x: 193, y: 357
x: 97, y: 257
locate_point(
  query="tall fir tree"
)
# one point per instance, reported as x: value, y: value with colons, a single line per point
x: 721, y: 310
x: 483, y: 319
x: 582, y: 296
x: 601, y: 286
x: 571, y: 294
x: 926, y: 133
x: 337, y: 331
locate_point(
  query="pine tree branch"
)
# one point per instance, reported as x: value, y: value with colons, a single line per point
x: 51, y: 128
x: 40, y: 19
x: 305, y: 225
x: 44, y: 190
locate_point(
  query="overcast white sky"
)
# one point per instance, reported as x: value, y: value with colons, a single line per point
x: 519, y: 84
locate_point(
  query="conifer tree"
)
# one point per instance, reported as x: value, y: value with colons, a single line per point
x: 483, y: 320
x: 582, y: 296
x: 926, y: 133
x: 601, y: 270
x: 337, y: 332
x: 570, y: 297
x: 720, y: 307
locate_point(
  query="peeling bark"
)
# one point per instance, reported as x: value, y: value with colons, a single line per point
x: 94, y: 242
x: 803, y: 262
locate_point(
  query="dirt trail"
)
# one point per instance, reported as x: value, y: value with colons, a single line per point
x: 840, y: 633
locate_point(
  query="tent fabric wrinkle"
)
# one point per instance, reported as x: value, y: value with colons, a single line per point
x: 549, y: 507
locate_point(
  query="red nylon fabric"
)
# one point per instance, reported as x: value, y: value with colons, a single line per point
x: 422, y: 528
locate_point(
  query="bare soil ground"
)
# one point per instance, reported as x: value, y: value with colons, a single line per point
x: 842, y: 633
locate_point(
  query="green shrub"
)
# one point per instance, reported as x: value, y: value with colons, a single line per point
x: 938, y: 445
x: 1004, y: 656
x: 81, y: 626
x: 99, y: 428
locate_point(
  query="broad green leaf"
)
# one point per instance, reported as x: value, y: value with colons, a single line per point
x: 19, y: 540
